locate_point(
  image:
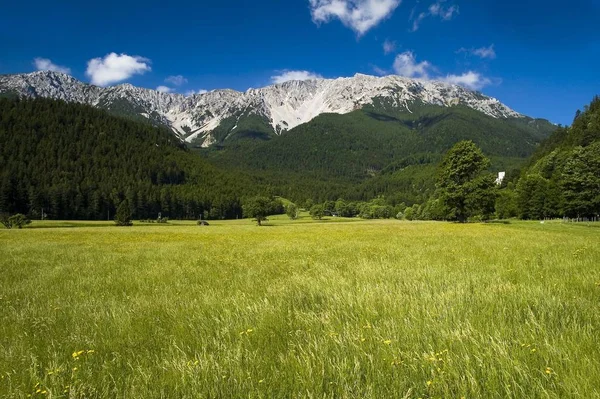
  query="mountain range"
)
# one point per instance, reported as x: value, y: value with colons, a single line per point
x: 220, y: 115
x: 79, y: 149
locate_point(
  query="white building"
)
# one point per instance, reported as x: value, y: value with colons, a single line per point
x: 500, y: 179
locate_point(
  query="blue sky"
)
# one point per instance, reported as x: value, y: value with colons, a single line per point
x: 539, y: 57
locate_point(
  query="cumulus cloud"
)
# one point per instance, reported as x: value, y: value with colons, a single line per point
x: 192, y: 92
x: 358, y: 15
x: 115, y: 68
x: 176, y: 80
x: 44, y: 64
x: 164, y: 89
x: 437, y: 9
x: 406, y: 64
x: 286, y: 76
x: 471, y: 80
x: 482, y: 52
x: 389, y: 46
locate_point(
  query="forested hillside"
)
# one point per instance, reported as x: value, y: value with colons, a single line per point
x: 563, y: 176
x: 378, y: 151
x: 77, y: 162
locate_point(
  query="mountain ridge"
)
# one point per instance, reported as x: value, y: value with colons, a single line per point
x: 279, y: 107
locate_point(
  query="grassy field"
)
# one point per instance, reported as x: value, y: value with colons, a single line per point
x: 363, y: 309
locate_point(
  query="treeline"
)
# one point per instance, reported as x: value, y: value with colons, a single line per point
x: 70, y: 161
x: 73, y: 161
x: 563, y: 177
x: 464, y: 190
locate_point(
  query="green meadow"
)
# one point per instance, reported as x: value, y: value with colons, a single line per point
x: 303, y: 309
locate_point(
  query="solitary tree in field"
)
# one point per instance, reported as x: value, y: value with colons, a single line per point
x: 259, y: 208
x: 292, y: 211
x: 463, y: 187
x: 317, y: 212
x: 123, y: 216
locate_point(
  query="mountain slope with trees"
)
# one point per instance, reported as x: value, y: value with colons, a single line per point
x: 563, y: 176
x: 73, y: 161
x: 378, y: 151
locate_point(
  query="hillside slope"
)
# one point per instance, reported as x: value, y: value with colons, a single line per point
x: 563, y: 176
x: 358, y: 154
x: 77, y: 162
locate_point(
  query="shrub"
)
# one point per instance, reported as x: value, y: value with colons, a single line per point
x: 123, y: 216
x: 18, y: 220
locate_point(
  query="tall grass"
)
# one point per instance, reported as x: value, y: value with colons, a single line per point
x: 365, y: 309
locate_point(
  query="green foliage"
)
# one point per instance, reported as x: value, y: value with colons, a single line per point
x: 537, y: 197
x: 317, y: 212
x: 581, y: 182
x: 5, y: 220
x: 346, y: 209
x: 292, y: 211
x: 563, y: 178
x: 376, y: 210
x: 434, y: 209
x: 409, y: 214
x: 18, y: 220
x: 261, y: 207
x: 376, y: 151
x: 463, y: 189
x: 123, y: 216
x: 506, y: 204
x: 78, y: 162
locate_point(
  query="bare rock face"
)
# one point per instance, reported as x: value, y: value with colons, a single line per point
x: 283, y: 106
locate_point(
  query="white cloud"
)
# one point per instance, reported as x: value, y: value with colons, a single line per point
x: 164, y: 89
x: 471, y: 80
x: 482, y: 52
x: 437, y: 9
x: 286, y: 76
x: 406, y: 64
x: 389, y: 46
x: 192, y: 92
x: 176, y: 80
x: 358, y: 15
x: 44, y: 64
x: 115, y: 68
x: 485, y: 52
